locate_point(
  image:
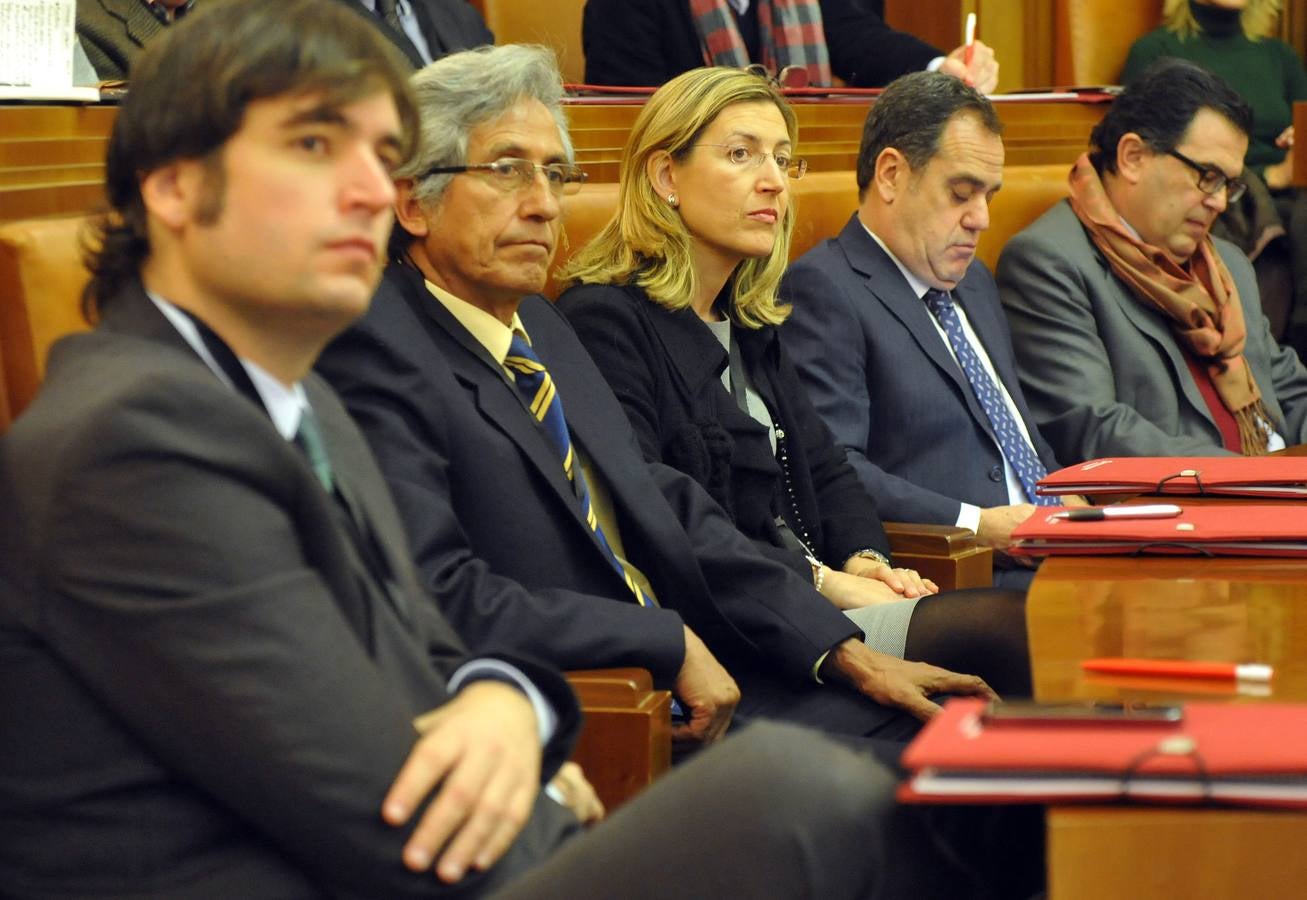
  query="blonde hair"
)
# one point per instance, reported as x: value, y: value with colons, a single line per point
x: 646, y: 241
x: 1257, y: 19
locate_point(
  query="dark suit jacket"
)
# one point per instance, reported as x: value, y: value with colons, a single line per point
x: 447, y: 25
x: 113, y: 32
x: 665, y: 368
x: 646, y: 43
x: 497, y: 530
x: 204, y: 693
x: 887, y: 385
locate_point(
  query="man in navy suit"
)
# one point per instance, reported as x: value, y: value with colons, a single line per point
x: 897, y: 329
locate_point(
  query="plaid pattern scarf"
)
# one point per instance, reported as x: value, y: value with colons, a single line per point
x: 790, y: 32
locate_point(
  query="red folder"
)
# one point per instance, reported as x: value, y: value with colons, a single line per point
x: 1245, y: 754
x: 1207, y: 530
x: 1236, y: 476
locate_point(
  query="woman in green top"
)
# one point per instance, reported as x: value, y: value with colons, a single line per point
x: 1232, y: 39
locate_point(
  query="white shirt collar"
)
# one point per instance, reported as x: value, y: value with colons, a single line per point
x: 285, y: 405
x: 401, y: 6
x: 918, y: 286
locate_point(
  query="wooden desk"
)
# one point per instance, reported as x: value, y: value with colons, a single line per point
x: 1237, y: 609
x: 52, y: 157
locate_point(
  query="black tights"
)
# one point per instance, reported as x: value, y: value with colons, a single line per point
x: 980, y: 631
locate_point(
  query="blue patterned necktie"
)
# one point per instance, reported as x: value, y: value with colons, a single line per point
x: 1016, y: 449
x: 541, y: 397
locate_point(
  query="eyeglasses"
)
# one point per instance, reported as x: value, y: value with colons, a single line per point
x: 742, y: 156
x: 788, y: 77
x: 510, y: 175
x: 1212, y: 179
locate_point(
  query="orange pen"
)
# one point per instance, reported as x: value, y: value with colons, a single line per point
x: 1179, y: 668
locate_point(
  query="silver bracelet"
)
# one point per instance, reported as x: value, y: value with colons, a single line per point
x: 871, y: 554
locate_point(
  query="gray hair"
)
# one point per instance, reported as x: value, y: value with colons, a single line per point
x: 463, y: 90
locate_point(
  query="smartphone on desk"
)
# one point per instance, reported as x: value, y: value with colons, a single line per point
x: 1026, y: 712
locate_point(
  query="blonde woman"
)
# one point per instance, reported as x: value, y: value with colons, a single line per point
x: 676, y: 301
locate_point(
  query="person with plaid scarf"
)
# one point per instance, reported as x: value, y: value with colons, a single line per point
x: 651, y: 42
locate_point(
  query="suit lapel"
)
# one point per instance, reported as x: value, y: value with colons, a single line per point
x: 697, y: 359
x: 887, y: 285
x: 1152, y: 324
x: 138, y: 20
x: 494, y: 396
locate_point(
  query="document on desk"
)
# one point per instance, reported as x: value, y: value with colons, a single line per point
x: 1227, y: 529
x: 1223, y: 476
x: 36, y: 43
x: 1239, y: 754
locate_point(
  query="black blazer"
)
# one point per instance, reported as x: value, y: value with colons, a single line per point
x: 886, y: 383
x: 203, y: 692
x: 666, y: 369
x: 447, y: 25
x: 648, y: 42
x: 497, y: 530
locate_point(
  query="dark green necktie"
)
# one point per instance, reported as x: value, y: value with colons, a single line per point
x: 309, y: 439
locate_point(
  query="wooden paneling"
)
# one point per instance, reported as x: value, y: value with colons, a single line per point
x: 937, y: 22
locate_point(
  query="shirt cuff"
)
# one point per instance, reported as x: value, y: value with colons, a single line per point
x: 816, y: 667
x: 934, y: 64
x: 498, y: 670
x: 969, y: 518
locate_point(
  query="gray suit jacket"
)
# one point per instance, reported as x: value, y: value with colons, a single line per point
x: 113, y: 32
x: 1102, y: 371
x: 887, y: 385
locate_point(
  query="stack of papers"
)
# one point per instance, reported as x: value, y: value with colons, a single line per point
x: 1227, y: 476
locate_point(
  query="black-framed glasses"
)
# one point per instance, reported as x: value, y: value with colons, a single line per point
x: 742, y: 156
x: 511, y: 175
x: 1212, y: 179
x: 788, y: 77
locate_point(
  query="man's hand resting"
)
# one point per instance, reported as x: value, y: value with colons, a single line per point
x: 479, y: 755
x: 896, y: 682
x: 708, y: 692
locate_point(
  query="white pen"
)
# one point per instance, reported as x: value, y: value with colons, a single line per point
x: 969, y: 39
x: 1097, y: 513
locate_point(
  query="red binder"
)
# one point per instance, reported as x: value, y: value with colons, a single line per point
x: 1236, y: 476
x: 1206, y: 530
x: 1244, y: 754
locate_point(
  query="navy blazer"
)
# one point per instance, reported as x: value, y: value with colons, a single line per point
x: 887, y: 384
x: 666, y: 369
x: 496, y: 527
x: 204, y: 692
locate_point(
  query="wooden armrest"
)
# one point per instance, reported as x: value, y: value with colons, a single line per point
x: 626, y: 739
x: 946, y: 554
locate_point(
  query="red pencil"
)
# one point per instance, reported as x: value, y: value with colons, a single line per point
x: 1179, y: 668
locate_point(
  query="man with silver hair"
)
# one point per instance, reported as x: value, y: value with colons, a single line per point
x: 532, y: 513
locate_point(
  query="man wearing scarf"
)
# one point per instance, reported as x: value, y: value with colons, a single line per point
x: 1137, y: 333
x: 806, y: 42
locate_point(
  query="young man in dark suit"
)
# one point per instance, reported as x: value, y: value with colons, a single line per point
x: 219, y: 675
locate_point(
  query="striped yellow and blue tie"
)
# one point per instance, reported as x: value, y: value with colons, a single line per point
x: 541, y: 397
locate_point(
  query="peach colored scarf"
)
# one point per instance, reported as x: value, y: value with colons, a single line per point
x: 1201, y: 301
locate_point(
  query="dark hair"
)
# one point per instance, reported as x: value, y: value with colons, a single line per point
x: 1160, y: 104
x: 910, y: 116
x: 188, y: 95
